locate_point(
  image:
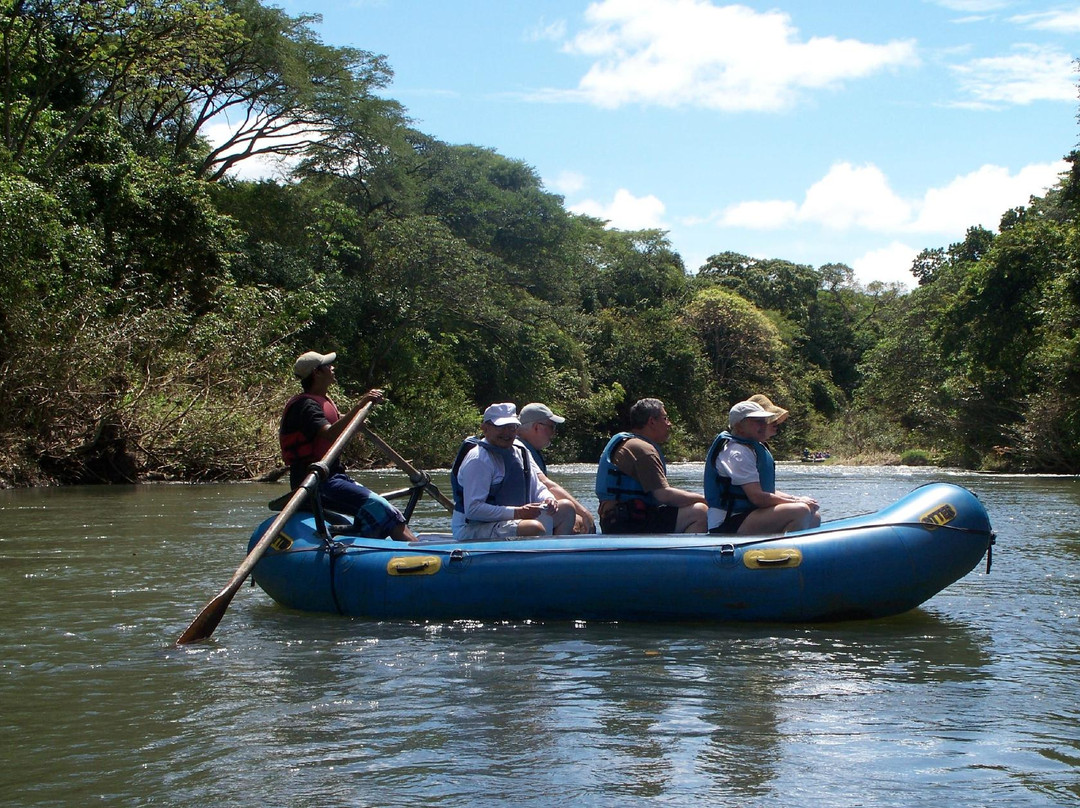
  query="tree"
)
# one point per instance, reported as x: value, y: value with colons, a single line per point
x: 843, y: 323
x: 741, y: 345
x: 63, y: 62
x: 290, y: 92
x: 770, y: 284
x: 926, y: 265
x: 630, y: 270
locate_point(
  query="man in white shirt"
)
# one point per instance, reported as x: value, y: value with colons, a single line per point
x: 740, y: 479
x: 497, y: 491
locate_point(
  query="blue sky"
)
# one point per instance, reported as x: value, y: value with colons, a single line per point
x: 816, y: 131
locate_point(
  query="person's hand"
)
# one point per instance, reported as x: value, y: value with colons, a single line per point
x: 374, y: 395
x: 530, y: 511
x: 583, y: 523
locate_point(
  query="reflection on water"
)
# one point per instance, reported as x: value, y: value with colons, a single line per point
x: 971, y: 698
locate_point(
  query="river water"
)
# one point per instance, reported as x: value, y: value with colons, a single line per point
x: 971, y: 700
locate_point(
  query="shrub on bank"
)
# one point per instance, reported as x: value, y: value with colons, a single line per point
x: 915, y: 457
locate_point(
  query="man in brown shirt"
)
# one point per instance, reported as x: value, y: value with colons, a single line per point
x: 632, y: 485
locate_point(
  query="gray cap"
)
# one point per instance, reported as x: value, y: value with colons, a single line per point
x: 306, y: 363
x: 532, y: 413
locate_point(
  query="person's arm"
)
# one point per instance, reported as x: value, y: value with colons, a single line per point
x: 649, y: 471
x: 476, y: 475
x: 764, y: 499
x: 331, y: 431
x: 676, y: 496
x: 561, y: 493
x: 539, y: 491
x: 741, y: 465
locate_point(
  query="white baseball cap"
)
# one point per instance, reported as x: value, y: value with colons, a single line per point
x: 501, y: 415
x: 306, y: 363
x: 747, y: 409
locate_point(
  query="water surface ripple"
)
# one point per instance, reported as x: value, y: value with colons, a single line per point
x: 970, y: 700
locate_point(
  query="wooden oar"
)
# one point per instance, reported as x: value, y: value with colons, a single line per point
x: 207, y: 620
x: 416, y: 477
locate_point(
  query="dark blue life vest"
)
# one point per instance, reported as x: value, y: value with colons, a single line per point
x: 612, y: 484
x: 537, y: 457
x: 720, y: 492
x: 513, y: 490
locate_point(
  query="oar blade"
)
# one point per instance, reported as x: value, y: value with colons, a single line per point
x: 207, y: 620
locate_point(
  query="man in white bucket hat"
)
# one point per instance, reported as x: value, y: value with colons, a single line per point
x: 740, y: 478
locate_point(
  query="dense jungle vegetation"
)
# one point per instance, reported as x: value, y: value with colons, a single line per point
x: 151, y: 305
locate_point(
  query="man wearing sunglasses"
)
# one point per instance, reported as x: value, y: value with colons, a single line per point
x: 497, y: 490
x: 631, y: 480
x: 537, y: 430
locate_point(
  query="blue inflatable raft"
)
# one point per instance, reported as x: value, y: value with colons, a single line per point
x: 868, y: 566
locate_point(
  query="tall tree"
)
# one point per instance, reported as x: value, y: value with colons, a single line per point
x: 770, y: 284
x: 63, y: 62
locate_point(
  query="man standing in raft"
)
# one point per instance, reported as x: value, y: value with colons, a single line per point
x: 309, y: 426
x: 497, y: 491
x: 632, y: 483
x: 740, y: 478
x: 538, y: 424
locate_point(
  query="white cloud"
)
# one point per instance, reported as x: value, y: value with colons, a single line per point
x: 979, y: 198
x: 626, y: 211
x: 760, y: 215
x: 1062, y: 22
x: 853, y: 197
x: 677, y: 53
x: 554, y: 31
x: 891, y: 264
x: 1029, y: 74
x: 567, y: 182
x: 973, y: 6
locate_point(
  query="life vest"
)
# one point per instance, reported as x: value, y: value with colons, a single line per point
x: 512, y: 490
x: 612, y: 484
x: 296, y: 447
x: 720, y: 492
x: 538, y: 458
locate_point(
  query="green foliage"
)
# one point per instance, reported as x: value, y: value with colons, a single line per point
x: 862, y: 435
x: 769, y: 284
x: 649, y: 355
x: 916, y: 457
x: 741, y: 345
x: 150, y: 306
x: 631, y: 271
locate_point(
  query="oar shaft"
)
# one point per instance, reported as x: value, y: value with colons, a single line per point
x: 207, y: 620
x: 415, y: 475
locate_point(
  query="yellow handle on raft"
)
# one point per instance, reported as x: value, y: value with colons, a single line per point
x: 414, y: 565
x: 772, y: 558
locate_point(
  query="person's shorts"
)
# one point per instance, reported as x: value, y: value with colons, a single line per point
x: 637, y: 516
x: 478, y: 531
x: 732, y: 524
